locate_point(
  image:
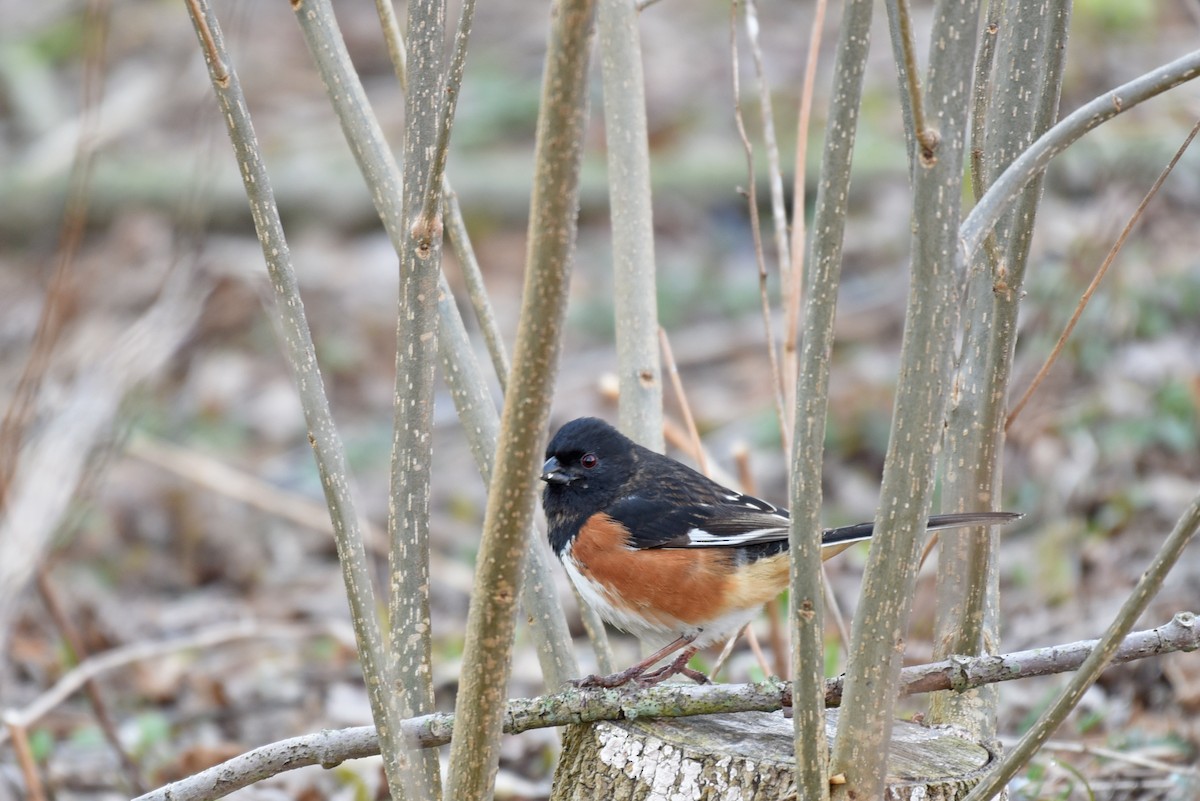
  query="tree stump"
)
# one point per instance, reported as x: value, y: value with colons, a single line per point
x: 744, y: 757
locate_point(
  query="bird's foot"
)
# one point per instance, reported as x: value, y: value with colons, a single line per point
x: 677, y: 668
x: 609, y: 681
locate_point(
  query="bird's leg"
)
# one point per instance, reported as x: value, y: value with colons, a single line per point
x: 638, y: 670
x: 678, y: 666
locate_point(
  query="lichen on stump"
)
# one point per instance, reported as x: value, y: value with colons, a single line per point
x: 744, y: 757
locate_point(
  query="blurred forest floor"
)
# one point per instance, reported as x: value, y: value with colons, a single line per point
x: 161, y: 541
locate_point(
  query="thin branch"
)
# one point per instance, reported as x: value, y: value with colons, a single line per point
x: 684, y: 406
x: 328, y: 451
x: 473, y: 403
x: 793, y: 288
x: 74, y: 640
x: 981, y: 95
x: 330, y: 748
x: 460, y: 241
x: 774, y: 173
x: 751, y: 194
x: 481, y: 424
x: 394, y: 40
x: 20, y: 740
x: 1091, y: 115
x: 925, y: 137
x: 60, y: 290
x: 1104, y: 651
x: 425, y: 225
x: 1098, y: 277
x: 1086, y: 749
x: 115, y: 658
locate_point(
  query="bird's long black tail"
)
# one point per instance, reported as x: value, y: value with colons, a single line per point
x: 863, y: 531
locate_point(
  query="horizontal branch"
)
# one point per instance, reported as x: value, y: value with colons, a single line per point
x: 331, y: 747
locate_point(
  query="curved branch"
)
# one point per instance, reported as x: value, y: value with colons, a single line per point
x: 329, y: 748
x: 1023, y: 169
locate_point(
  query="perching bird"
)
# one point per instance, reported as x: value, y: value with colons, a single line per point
x: 659, y: 550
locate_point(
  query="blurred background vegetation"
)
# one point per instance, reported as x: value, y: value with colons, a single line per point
x: 1102, y: 461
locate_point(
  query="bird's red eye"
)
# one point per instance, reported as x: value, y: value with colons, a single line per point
x: 589, y: 460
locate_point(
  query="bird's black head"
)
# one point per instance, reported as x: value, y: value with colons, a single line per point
x: 588, y: 462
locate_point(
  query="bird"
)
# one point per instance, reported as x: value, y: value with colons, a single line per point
x: 662, y: 551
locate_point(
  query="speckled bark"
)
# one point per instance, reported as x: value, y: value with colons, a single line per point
x: 487, y: 663
x: 420, y: 250
x: 745, y: 757
x: 298, y: 347
x: 812, y: 396
x: 635, y: 294
x: 1025, y: 92
x: 880, y: 628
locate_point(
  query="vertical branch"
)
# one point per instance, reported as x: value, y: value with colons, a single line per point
x: 474, y: 405
x: 881, y: 625
x: 812, y: 397
x: 967, y: 619
x: 386, y: 700
x: 480, y: 707
x: 426, y: 126
x: 636, y: 296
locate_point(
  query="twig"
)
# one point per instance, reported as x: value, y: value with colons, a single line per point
x: 300, y: 352
x: 244, y: 487
x: 1086, y: 749
x: 751, y: 194
x: 926, y: 138
x: 451, y: 88
x: 79, y: 652
x: 29, y: 770
x: 330, y: 748
x: 60, y: 291
x: 94, y: 666
x: 394, y: 39
x: 774, y: 610
x: 1091, y: 115
x: 775, y: 174
x: 794, y: 287
x: 456, y: 228
x: 1104, y: 651
x: 1098, y: 277
x: 382, y: 174
x: 685, y: 408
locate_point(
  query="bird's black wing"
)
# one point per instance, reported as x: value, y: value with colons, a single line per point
x: 737, y: 520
